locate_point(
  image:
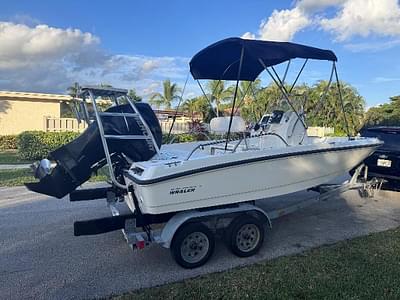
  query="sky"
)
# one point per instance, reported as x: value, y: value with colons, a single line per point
x: 46, y: 45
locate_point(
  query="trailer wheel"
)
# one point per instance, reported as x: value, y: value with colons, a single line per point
x: 245, y: 235
x: 192, y: 245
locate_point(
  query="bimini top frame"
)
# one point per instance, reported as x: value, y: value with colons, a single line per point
x: 241, y: 59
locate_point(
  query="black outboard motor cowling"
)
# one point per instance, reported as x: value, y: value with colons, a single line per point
x: 76, y: 161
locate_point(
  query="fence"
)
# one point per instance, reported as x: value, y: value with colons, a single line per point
x: 320, y: 131
x: 63, y: 124
x: 179, y: 127
x: 71, y: 124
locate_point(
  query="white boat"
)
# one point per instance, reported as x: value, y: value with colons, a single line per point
x: 195, y: 189
x: 178, y: 177
x: 281, y: 161
x: 255, y: 168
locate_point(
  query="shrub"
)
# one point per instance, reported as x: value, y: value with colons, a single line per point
x: 33, y: 145
x: 8, y: 142
x: 184, y: 137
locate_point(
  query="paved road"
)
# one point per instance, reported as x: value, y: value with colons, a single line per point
x: 41, y: 259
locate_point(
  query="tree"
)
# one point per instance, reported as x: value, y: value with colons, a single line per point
x: 327, y: 111
x: 263, y: 100
x: 170, y: 93
x: 73, y: 90
x: 199, y: 105
x: 246, y: 98
x: 67, y: 110
x: 218, y: 93
x: 191, y: 106
x: 387, y: 114
x: 132, y: 94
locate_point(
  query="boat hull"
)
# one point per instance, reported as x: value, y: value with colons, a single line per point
x: 264, y: 177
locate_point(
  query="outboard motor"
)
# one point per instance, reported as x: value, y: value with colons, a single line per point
x: 77, y: 160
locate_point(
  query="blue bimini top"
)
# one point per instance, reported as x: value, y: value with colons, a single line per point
x: 221, y: 60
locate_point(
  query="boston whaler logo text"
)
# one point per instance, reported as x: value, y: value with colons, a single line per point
x: 182, y: 190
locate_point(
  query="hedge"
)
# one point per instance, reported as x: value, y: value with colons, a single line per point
x: 34, y: 145
x: 183, y: 138
x: 8, y: 142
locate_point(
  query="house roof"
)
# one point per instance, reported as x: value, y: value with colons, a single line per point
x: 42, y: 97
x: 27, y: 96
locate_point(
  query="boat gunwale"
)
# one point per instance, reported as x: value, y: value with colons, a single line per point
x: 144, y: 182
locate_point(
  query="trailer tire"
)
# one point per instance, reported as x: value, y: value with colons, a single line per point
x: 192, y: 245
x: 245, y: 235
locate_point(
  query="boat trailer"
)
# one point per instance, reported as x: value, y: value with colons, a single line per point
x: 168, y: 228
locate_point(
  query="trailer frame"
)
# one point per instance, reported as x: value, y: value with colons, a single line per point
x: 139, y: 234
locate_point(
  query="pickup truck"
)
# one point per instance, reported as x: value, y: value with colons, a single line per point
x: 385, y: 161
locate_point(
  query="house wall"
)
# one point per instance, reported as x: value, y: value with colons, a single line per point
x: 17, y: 116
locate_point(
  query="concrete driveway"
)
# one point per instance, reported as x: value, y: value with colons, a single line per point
x: 41, y: 259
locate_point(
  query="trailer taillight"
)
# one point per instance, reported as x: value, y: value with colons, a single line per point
x: 140, y: 244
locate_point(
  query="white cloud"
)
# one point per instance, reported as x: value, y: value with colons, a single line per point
x: 364, y: 18
x: 49, y: 59
x: 352, y: 18
x: 248, y: 36
x: 282, y: 25
x: 21, y: 46
x: 151, y: 88
x: 150, y: 65
x: 310, y: 6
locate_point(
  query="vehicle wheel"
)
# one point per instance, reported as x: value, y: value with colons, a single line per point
x: 192, y: 245
x: 245, y: 235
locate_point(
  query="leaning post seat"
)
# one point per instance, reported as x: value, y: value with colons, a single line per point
x: 221, y: 124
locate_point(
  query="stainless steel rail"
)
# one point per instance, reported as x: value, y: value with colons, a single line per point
x: 114, y: 94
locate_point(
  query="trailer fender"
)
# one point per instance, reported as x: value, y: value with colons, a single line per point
x: 172, y: 226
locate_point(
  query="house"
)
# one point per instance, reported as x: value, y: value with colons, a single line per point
x: 23, y: 111
x: 20, y: 111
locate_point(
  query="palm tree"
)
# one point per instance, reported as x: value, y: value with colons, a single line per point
x: 246, y: 98
x: 68, y: 109
x: 170, y: 93
x: 135, y: 97
x: 267, y: 98
x: 191, y: 106
x: 328, y: 112
x: 354, y: 106
x: 73, y: 90
x: 218, y: 93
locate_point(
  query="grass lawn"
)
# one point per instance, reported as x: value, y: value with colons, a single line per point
x: 11, y: 157
x: 17, y: 177
x: 363, y: 268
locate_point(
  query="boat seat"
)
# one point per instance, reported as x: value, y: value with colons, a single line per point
x: 221, y: 124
